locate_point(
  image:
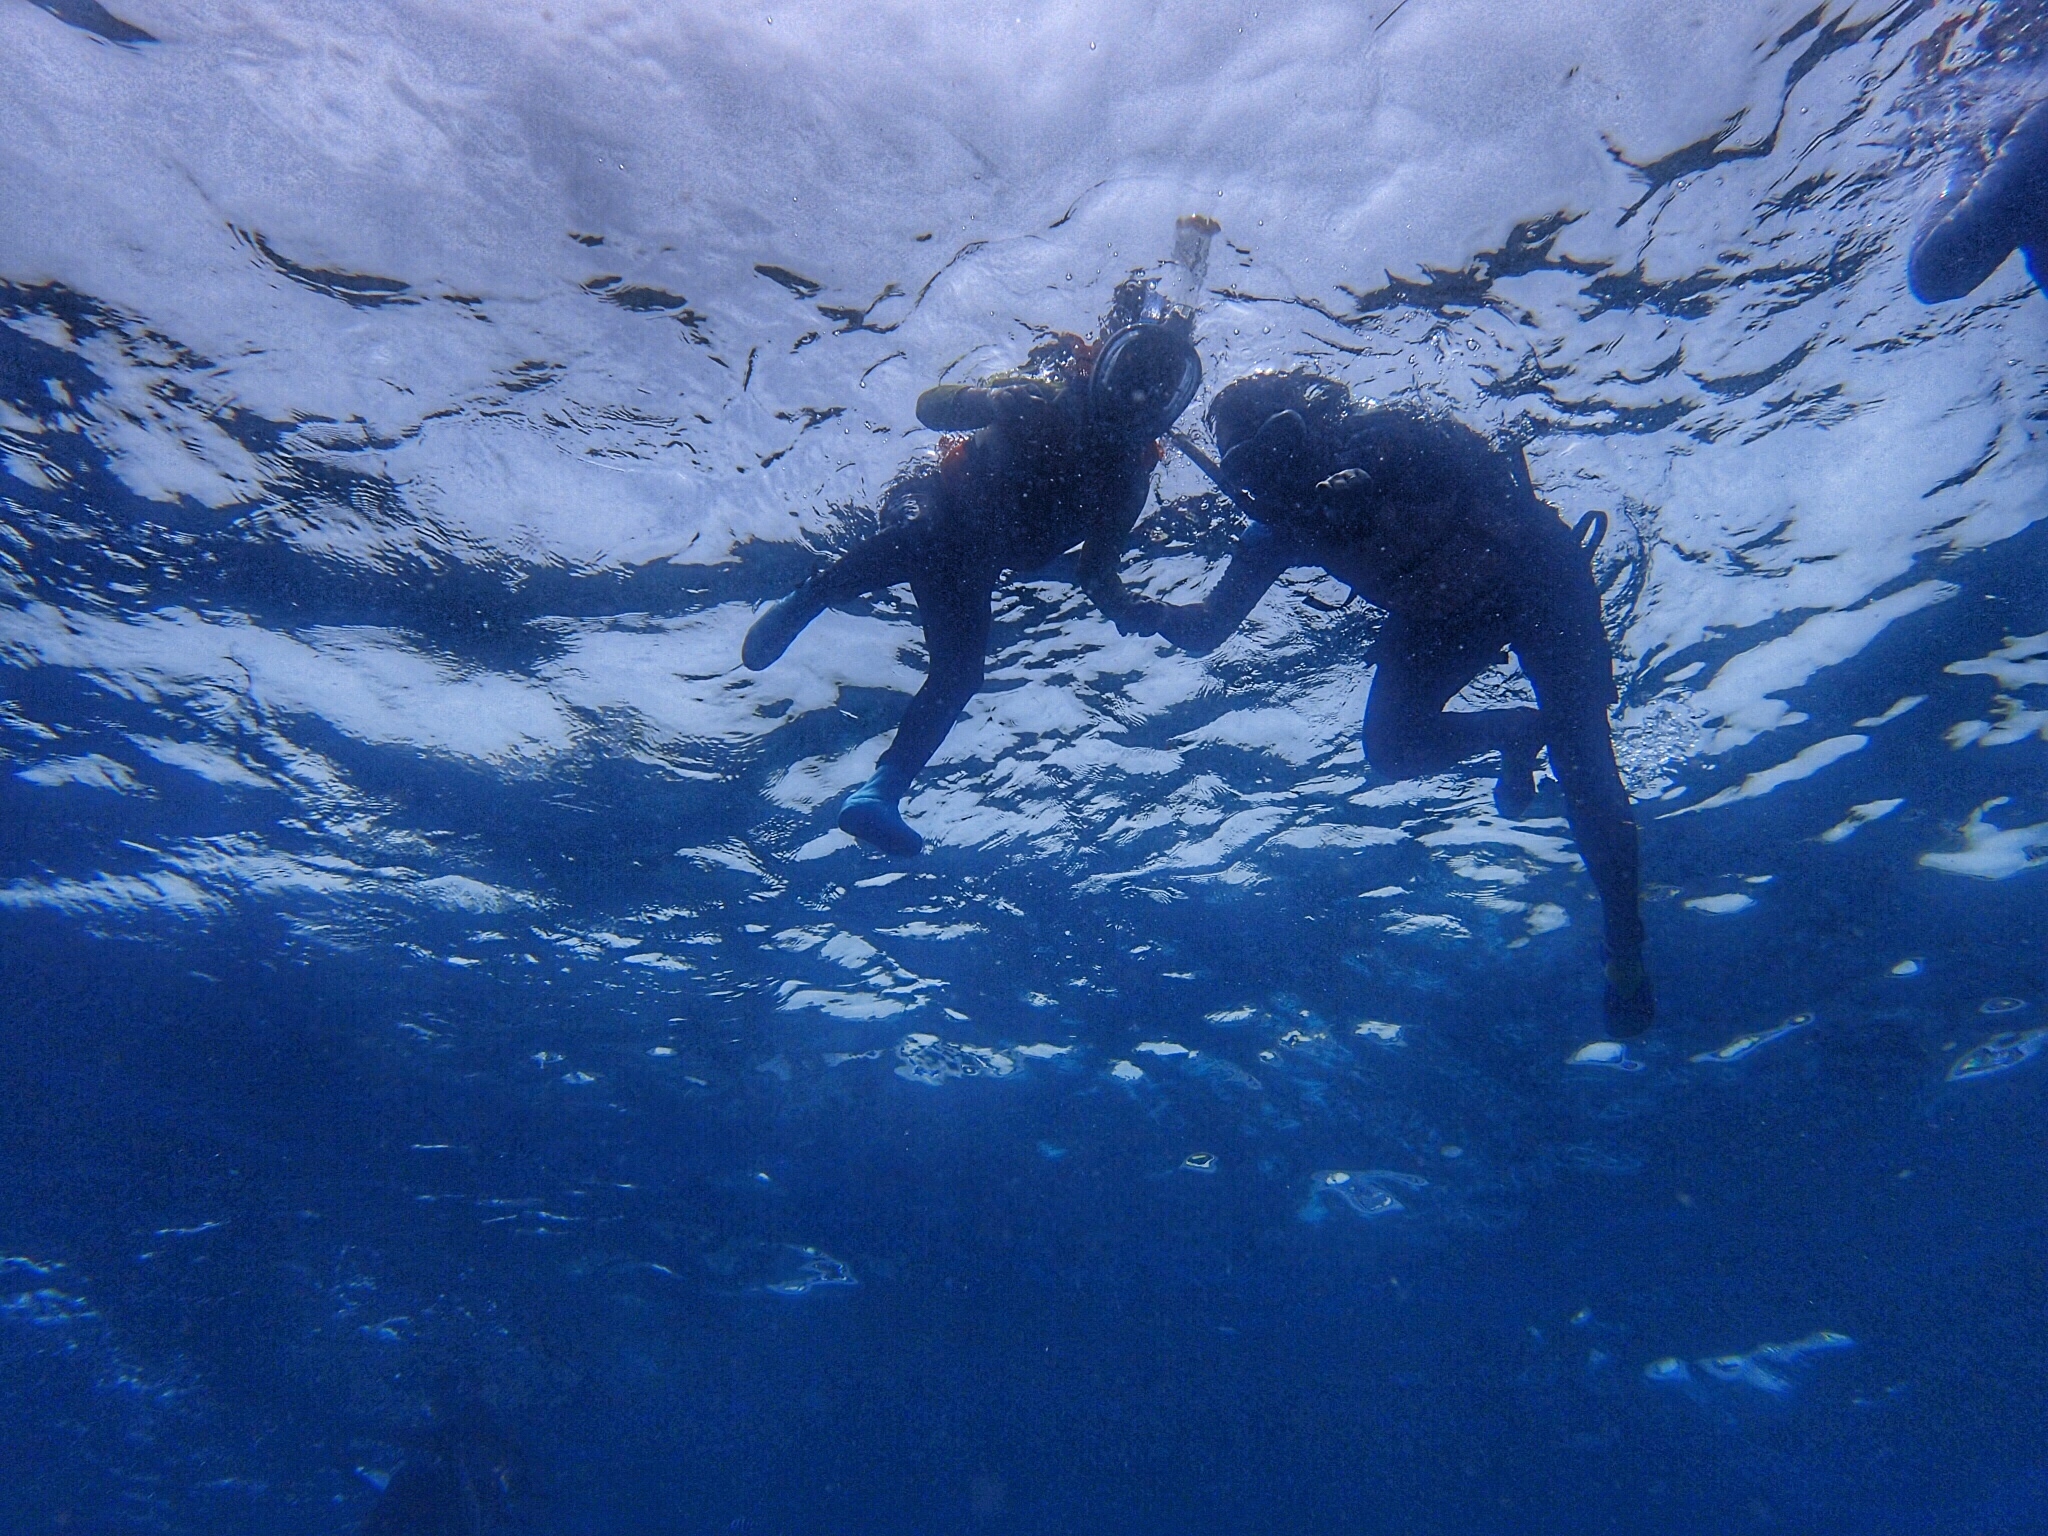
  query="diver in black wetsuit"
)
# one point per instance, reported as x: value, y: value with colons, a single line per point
x: 1429, y: 521
x: 1974, y: 230
x: 463, y: 1476
x: 1035, y: 462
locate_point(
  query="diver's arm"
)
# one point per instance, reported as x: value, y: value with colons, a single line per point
x: 970, y: 407
x: 1101, y: 581
x: 1198, y: 628
x: 1096, y: 571
x: 955, y: 408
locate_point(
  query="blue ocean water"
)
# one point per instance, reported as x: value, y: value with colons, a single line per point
x: 436, y: 992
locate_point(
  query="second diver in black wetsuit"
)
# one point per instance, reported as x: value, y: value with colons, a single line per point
x: 1426, y: 519
x: 1975, y: 228
x: 463, y: 1475
x: 1033, y: 463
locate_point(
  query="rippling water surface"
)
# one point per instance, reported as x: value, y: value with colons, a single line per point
x: 431, y: 967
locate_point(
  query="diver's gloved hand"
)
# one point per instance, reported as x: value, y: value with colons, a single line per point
x: 1631, y: 1001
x: 779, y: 625
x: 1343, y: 499
x: 870, y: 814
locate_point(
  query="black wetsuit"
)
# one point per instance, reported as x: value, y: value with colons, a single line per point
x: 465, y: 1476
x: 1973, y: 231
x: 1031, y: 481
x: 1443, y: 531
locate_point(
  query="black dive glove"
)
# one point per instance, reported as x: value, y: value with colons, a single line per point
x: 1344, y: 501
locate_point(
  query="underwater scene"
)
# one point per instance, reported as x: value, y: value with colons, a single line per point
x: 1041, y: 768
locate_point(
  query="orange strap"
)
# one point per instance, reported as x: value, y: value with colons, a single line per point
x: 953, y: 461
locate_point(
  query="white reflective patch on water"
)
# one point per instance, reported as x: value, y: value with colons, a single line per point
x: 2015, y: 723
x: 1860, y: 816
x: 654, y: 959
x: 1435, y: 925
x: 848, y: 950
x: 1611, y: 1054
x: 113, y: 894
x: 1740, y: 696
x: 1722, y: 905
x: 1909, y: 702
x: 2001, y: 1053
x: 1336, y: 835
x: 795, y: 996
x: 1365, y: 1193
x: 939, y: 932
x: 751, y: 1266
x: 365, y: 682
x: 2022, y: 662
x: 1745, y: 1045
x: 1467, y: 867
x: 208, y: 876
x: 1772, y: 1369
x: 93, y: 771
x: 1298, y: 735
x: 929, y: 1060
x: 1807, y: 762
x: 1990, y: 852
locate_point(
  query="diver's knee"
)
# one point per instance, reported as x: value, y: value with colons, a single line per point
x: 1936, y: 276
x: 969, y: 670
x: 1395, y: 756
x: 952, y: 681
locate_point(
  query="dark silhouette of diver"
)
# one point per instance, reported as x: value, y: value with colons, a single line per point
x: 462, y: 1476
x: 1033, y: 463
x: 1974, y: 229
x: 1426, y: 519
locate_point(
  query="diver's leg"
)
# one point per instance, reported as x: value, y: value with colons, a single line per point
x: 955, y: 607
x: 1582, y: 755
x: 1565, y: 652
x: 1408, y: 732
x: 1971, y: 235
x: 871, y: 565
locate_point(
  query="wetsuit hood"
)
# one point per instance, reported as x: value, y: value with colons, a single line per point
x: 1271, y: 428
x: 1145, y: 375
